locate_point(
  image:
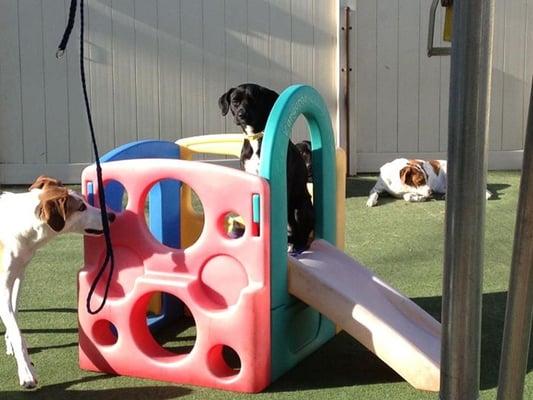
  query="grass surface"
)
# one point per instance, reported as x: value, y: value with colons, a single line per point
x: 401, y: 242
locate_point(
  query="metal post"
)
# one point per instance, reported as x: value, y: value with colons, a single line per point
x: 470, y: 78
x: 519, y: 309
x: 346, y: 69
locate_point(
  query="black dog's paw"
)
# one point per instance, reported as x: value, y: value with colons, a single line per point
x: 294, y: 251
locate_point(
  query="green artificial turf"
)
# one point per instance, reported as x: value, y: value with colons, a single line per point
x: 401, y: 242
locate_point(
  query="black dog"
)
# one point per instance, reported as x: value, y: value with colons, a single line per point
x: 250, y: 105
x: 306, y: 152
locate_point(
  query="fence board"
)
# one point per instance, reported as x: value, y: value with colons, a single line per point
x: 11, y: 140
x: 124, y: 88
x: 32, y: 81
x: 155, y: 69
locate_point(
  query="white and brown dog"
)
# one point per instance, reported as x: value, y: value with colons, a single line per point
x: 412, y: 180
x: 29, y: 220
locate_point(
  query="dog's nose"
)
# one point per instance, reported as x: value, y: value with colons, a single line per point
x: 111, y: 217
x: 241, y: 113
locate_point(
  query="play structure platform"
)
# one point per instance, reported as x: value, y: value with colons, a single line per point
x: 245, y: 294
x: 386, y: 322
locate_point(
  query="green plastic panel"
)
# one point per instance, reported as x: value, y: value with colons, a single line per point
x: 256, y: 208
x: 297, y: 330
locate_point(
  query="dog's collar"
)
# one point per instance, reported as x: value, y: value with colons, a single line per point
x: 254, y: 136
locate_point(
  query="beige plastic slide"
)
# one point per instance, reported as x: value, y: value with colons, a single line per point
x: 389, y: 324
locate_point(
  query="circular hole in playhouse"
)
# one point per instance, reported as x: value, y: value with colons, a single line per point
x: 171, y: 224
x: 116, y: 196
x: 171, y: 324
x: 223, y: 361
x: 196, y: 204
x: 222, y: 279
x: 193, y: 220
x: 104, y: 333
x: 233, y: 225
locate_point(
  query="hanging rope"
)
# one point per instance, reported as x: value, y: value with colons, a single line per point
x: 109, y: 256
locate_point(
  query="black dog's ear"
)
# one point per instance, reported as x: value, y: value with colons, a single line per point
x: 270, y: 96
x: 224, y: 101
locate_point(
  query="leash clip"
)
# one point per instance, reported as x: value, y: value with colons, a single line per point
x: 60, y: 53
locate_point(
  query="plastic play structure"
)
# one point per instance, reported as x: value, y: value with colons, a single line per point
x: 245, y: 293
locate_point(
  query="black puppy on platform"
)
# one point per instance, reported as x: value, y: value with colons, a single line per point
x: 250, y: 105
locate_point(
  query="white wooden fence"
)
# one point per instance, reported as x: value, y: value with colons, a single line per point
x: 157, y: 67
x: 401, y: 95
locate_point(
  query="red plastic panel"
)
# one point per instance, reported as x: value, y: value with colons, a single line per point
x: 224, y: 282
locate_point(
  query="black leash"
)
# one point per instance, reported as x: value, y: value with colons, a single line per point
x: 109, y: 256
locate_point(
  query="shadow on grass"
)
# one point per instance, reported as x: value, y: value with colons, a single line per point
x: 339, y: 363
x: 342, y: 362
x: 496, y: 189
x: 48, y: 310
x: 345, y: 362
x: 31, y: 331
x: 35, y: 350
x: 493, y: 315
x: 179, y: 337
x: 360, y: 185
x: 62, y: 391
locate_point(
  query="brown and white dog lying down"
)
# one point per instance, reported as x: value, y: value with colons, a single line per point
x: 29, y: 220
x: 412, y: 180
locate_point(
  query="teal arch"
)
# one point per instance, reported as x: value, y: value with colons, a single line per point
x: 293, y: 341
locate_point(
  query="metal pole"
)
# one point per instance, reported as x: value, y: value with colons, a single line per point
x: 347, y: 71
x: 519, y: 310
x: 470, y: 78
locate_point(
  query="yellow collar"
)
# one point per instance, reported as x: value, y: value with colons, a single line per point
x: 254, y: 136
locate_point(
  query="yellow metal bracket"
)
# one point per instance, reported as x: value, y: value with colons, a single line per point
x: 447, y: 32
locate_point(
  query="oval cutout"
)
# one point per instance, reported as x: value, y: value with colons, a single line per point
x: 223, y: 361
